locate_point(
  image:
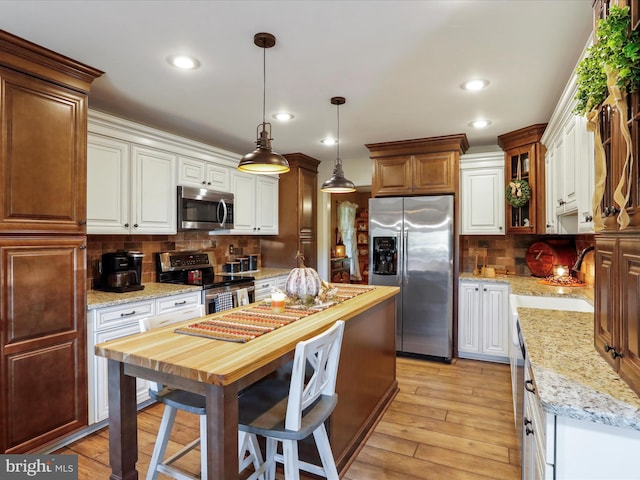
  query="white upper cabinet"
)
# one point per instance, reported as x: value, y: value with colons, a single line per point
x: 130, y: 189
x: 153, y: 189
x: 482, y: 193
x: 255, y: 204
x: 194, y: 172
x: 133, y: 172
x: 570, y: 171
x: 108, y: 193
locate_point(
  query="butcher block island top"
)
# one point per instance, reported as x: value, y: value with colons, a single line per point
x: 220, y: 369
x: 221, y: 362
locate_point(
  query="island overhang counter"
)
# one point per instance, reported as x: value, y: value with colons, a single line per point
x: 219, y: 370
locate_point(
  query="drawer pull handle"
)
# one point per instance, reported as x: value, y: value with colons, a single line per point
x: 528, y: 386
x: 180, y: 303
x: 608, y: 348
x: 128, y: 314
x: 528, y: 431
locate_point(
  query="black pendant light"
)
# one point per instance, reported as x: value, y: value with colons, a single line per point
x: 263, y: 159
x: 337, y: 183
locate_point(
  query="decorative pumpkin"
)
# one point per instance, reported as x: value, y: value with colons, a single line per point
x: 303, y: 281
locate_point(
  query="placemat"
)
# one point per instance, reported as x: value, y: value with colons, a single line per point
x: 251, y: 322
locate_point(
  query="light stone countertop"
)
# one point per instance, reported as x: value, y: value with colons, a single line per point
x: 571, y: 377
x: 99, y: 299
x: 261, y: 274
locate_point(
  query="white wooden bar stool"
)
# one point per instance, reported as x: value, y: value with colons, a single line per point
x: 174, y: 400
x: 287, y: 412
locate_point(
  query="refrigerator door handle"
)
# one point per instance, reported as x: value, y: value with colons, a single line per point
x: 405, y: 260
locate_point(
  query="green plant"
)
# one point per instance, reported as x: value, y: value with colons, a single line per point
x: 617, y: 50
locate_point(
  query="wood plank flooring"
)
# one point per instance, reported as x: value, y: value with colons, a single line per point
x: 448, y: 422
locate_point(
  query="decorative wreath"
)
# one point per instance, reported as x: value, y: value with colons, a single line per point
x: 518, y: 193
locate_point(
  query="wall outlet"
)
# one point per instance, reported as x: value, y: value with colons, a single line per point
x: 231, y: 249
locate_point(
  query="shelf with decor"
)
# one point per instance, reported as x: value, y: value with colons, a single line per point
x: 340, y: 270
x: 362, y: 245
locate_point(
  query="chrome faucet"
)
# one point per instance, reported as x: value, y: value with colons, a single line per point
x: 578, y: 264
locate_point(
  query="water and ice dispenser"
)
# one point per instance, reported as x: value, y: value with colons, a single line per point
x: 385, y: 256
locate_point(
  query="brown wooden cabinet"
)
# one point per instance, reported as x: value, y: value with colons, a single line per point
x: 524, y: 160
x: 613, y: 141
x: 617, y: 323
x: 424, y: 166
x: 297, y: 207
x: 43, y: 117
x: 44, y: 375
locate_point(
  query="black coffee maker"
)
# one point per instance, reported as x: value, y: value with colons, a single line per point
x: 121, y: 271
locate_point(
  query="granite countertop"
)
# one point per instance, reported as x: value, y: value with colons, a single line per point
x: 571, y: 377
x: 99, y: 299
x: 261, y: 274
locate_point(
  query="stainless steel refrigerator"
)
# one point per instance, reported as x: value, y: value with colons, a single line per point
x: 411, y: 246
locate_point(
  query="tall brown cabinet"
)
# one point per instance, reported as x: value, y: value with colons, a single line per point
x: 43, y: 118
x: 297, y: 215
x: 617, y: 285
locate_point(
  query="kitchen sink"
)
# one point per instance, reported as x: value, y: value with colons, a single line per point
x: 551, y: 303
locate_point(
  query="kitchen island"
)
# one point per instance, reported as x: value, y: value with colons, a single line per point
x: 220, y: 369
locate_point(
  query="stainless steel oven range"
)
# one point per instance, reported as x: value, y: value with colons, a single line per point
x: 197, y: 268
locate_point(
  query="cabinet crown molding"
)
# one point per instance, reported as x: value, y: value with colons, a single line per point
x: 522, y: 136
x: 456, y: 143
x: 21, y: 55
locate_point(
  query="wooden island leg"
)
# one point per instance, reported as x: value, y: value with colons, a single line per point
x: 123, y: 424
x: 222, y: 431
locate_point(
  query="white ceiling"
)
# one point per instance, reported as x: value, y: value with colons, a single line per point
x: 398, y: 63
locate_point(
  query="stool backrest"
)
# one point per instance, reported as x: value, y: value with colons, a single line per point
x: 322, y: 352
x: 150, y: 323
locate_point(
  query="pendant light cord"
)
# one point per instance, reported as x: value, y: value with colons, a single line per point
x: 264, y: 83
x: 338, y: 160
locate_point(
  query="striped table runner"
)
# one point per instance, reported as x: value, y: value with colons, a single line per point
x: 255, y: 320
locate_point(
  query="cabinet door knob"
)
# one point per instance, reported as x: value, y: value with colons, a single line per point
x: 528, y: 431
x: 589, y: 218
x: 126, y: 225
x: 82, y: 222
x: 477, y: 289
x: 608, y: 347
x: 500, y: 227
x: 203, y: 182
x: 135, y: 225
x: 528, y: 386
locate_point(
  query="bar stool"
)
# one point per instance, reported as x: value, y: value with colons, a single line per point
x: 174, y: 400
x: 287, y: 412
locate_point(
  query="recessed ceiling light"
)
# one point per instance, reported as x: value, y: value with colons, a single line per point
x: 283, y: 116
x: 183, y: 62
x: 328, y: 141
x: 475, y: 85
x: 480, y: 123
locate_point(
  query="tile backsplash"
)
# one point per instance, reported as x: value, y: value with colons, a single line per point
x: 509, y: 252
x: 150, y: 245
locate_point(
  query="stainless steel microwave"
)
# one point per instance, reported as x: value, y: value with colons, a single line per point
x: 202, y: 209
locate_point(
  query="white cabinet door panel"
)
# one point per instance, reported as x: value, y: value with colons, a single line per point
x: 154, y: 187
x: 107, y: 185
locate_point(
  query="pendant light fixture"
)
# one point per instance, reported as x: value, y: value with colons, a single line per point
x: 263, y: 159
x: 337, y: 183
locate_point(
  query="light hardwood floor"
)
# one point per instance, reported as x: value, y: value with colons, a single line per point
x: 452, y: 422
